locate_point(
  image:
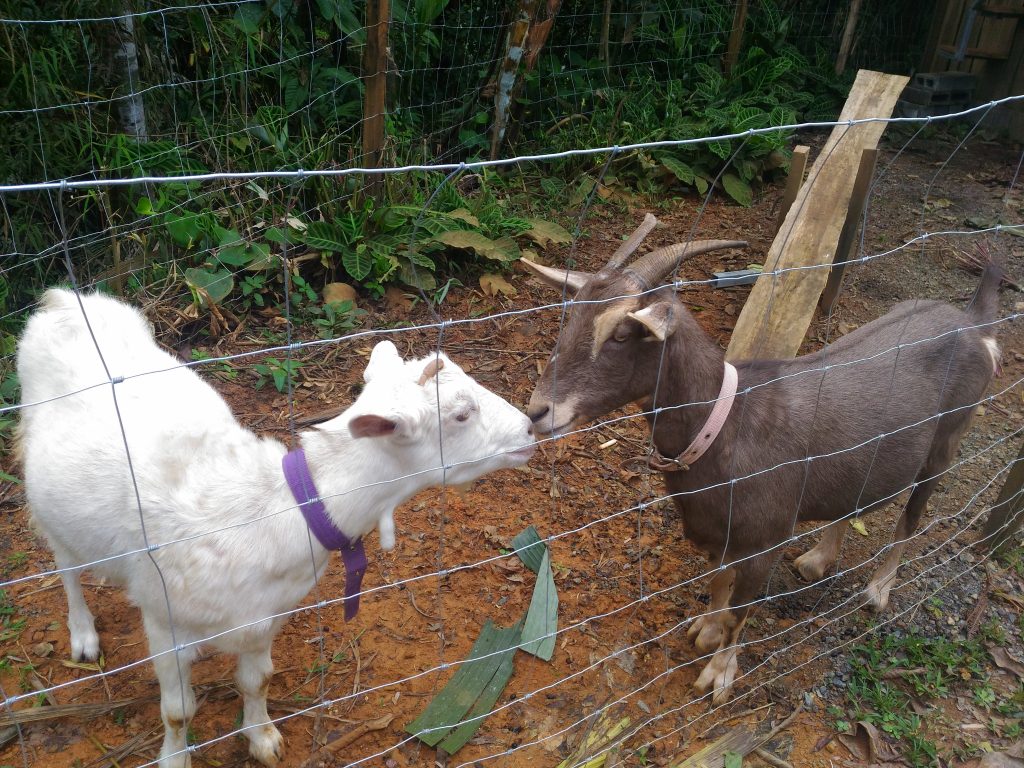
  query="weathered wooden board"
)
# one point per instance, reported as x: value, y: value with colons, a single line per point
x: 775, y: 318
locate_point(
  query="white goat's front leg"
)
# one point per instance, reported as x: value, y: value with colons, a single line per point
x: 253, y: 677
x: 85, y: 643
x: 814, y: 563
x: 177, y: 701
x: 386, y: 526
x: 709, y: 630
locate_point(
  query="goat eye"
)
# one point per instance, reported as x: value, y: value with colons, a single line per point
x: 462, y: 416
x: 621, y: 333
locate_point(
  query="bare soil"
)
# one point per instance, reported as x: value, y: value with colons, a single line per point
x: 387, y: 654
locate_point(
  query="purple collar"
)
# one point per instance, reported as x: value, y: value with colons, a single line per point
x: 296, y: 472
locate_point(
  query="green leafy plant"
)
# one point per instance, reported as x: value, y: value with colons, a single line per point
x: 281, y: 372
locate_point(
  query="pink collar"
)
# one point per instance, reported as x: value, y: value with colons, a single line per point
x: 707, y: 434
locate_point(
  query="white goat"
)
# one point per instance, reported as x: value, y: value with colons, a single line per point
x: 228, y: 546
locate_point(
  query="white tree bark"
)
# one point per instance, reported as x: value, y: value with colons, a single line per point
x: 126, y: 67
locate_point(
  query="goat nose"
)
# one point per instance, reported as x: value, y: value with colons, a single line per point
x: 537, y: 412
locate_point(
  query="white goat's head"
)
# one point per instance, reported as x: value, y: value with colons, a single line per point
x: 436, y: 419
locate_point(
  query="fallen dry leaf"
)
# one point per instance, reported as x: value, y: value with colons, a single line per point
x: 396, y: 298
x: 1011, y: 758
x: 868, y: 744
x: 1005, y: 661
x: 492, y: 284
x: 335, y: 292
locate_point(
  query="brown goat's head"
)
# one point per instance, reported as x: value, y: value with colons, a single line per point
x: 609, y: 349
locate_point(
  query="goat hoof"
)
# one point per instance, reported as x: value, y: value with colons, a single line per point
x: 267, y: 745
x: 718, y: 676
x: 878, y: 597
x: 706, y: 633
x: 85, y: 646
x: 710, y: 637
x: 811, y: 569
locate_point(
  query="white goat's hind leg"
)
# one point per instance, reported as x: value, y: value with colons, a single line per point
x: 709, y: 630
x: 253, y: 677
x: 177, y: 701
x: 85, y: 643
x: 814, y: 563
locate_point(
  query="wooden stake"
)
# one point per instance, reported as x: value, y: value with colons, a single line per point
x: 847, y: 41
x: 1005, y: 518
x: 795, y: 180
x: 845, y: 249
x: 739, y: 20
x: 375, y: 74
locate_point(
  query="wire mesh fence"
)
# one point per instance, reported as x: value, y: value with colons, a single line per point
x: 241, y: 200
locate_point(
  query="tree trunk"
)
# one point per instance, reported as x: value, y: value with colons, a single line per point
x: 131, y: 108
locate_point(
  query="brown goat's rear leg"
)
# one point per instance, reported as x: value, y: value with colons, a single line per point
x: 814, y: 563
x: 720, y: 672
x: 878, y: 588
x: 708, y: 631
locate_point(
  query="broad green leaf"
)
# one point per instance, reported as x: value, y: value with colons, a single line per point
x: 497, y: 250
x: 184, y: 229
x: 542, y: 617
x: 544, y: 232
x: 681, y: 170
x: 210, y: 286
x: 227, y: 237
x: 235, y: 255
x: 417, y: 277
x: 528, y: 545
x: 471, y: 692
x: 275, y: 235
x: 357, y: 262
x: 260, y: 258
x: 738, y: 189
x: 326, y: 237
x: 463, y: 215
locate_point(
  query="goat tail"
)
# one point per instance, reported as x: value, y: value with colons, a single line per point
x: 984, y: 304
x: 57, y: 299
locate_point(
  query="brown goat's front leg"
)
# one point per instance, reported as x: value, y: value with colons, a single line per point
x: 814, y: 563
x: 878, y: 588
x: 709, y: 630
x: 720, y: 672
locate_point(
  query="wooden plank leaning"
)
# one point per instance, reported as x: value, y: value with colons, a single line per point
x: 778, y: 312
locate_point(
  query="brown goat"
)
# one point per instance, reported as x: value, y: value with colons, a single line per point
x: 880, y: 410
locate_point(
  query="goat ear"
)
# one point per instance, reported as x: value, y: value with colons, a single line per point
x: 556, y: 278
x: 657, y: 318
x: 371, y: 425
x: 384, y: 355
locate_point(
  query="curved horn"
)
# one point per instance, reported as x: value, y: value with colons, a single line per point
x: 653, y: 266
x: 625, y: 250
x: 433, y: 368
x: 556, y: 277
